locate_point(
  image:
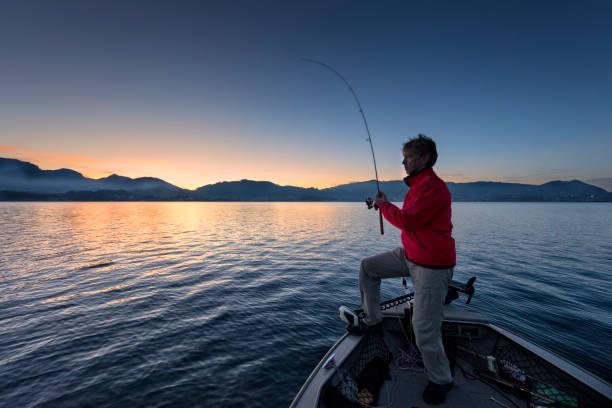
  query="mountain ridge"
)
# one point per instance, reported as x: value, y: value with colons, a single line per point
x: 24, y: 181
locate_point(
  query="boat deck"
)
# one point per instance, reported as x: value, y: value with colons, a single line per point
x: 470, y: 342
x: 405, y: 388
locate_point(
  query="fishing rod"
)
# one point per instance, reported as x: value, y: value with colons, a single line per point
x: 365, y: 122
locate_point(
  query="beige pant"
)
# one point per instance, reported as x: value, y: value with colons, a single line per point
x: 430, y: 287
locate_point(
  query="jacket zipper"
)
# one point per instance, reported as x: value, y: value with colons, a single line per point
x: 419, y: 239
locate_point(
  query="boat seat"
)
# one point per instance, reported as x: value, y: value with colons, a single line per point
x: 460, y: 314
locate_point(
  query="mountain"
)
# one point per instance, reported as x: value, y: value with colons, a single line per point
x: 115, y: 182
x: 249, y: 190
x: 574, y: 190
x: 16, y: 175
x: 395, y: 190
x: 605, y: 183
x: 23, y: 181
x: 24, y: 177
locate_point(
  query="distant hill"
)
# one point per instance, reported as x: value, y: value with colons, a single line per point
x: 605, y: 183
x: 395, y: 190
x: 574, y: 190
x: 249, y: 190
x: 23, y: 181
x: 22, y: 177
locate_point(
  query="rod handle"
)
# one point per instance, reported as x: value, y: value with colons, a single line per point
x: 382, y: 230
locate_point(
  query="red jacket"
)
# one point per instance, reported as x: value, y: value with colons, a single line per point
x: 425, y: 221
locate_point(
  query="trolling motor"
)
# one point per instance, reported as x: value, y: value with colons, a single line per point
x: 455, y: 287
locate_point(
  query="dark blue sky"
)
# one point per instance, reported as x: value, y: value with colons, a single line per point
x: 197, y: 93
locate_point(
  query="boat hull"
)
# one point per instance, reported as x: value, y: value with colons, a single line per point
x: 469, y: 339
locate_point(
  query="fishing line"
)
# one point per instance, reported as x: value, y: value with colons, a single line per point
x: 365, y: 122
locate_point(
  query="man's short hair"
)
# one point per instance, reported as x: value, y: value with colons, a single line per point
x: 423, y: 145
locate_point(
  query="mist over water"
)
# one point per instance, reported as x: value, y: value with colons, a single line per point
x: 233, y: 304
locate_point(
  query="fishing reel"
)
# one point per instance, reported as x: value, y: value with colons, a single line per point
x: 370, y: 203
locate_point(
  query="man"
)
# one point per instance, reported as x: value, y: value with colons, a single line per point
x: 427, y: 255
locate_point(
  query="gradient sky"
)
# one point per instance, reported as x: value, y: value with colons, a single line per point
x: 196, y: 92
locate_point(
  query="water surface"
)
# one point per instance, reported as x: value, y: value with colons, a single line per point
x: 233, y: 304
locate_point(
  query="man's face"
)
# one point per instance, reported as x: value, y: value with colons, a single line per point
x: 413, y: 163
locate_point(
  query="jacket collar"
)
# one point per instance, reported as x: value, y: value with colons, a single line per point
x: 415, y: 178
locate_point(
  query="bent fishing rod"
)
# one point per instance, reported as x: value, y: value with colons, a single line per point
x: 365, y: 122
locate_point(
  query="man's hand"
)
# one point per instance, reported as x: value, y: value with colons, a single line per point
x: 380, y: 198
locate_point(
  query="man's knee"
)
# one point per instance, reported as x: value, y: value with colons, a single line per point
x: 366, y: 267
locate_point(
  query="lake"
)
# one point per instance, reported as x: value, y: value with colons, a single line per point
x: 233, y: 304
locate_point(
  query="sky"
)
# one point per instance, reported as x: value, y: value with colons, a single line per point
x: 201, y: 92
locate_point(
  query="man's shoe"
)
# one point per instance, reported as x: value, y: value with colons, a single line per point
x: 435, y: 394
x: 363, y: 329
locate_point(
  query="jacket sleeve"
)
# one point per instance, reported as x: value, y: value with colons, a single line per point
x: 419, y: 212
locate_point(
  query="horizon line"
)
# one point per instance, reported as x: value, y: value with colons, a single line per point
x: 289, y: 185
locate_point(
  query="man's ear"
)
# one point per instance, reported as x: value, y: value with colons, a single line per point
x: 425, y: 161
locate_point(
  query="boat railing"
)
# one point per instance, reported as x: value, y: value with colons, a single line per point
x: 454, y: 288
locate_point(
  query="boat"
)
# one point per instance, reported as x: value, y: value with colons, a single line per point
x: 491, y: 366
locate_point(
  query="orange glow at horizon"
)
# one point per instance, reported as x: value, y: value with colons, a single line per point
x: 180, y: 173
x: 195, y: 172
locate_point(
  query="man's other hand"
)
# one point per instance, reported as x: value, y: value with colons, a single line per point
x: 380, y: 198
